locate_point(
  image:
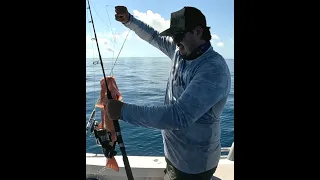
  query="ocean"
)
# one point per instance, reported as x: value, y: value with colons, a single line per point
x: 142, y: 81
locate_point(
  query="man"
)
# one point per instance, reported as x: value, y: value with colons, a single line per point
x: 196, y: 93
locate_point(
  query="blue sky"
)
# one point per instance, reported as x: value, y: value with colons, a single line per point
x: 219, y: 15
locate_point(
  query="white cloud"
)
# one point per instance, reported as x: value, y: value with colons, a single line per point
x: 111, y: 41
x: 153, y: 19
x: 219, y: 44
x: 159, y: 23
x: 215, y: 40
x: 215, y: 37
x: 104, y: 43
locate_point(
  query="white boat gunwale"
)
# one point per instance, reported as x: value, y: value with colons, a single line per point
x: 149, y: 167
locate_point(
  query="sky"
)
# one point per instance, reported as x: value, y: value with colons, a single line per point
x: 111, y: 33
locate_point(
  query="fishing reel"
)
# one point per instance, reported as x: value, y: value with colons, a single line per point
x: 103, y: 137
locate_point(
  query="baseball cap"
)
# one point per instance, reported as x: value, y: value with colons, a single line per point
x: 185, y: 19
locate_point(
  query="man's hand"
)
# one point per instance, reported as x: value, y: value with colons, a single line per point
x: 122, y: 14
x: 113, y: 109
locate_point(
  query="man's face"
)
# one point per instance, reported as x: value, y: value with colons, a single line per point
x: 187, y: 41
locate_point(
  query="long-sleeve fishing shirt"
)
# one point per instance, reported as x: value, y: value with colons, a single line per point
x: 196, y: 93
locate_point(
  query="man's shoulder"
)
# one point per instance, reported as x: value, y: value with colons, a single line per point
x: 213, y: 61
x: 213, y: 56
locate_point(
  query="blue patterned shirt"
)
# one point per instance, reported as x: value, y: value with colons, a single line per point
x: 196, y: 93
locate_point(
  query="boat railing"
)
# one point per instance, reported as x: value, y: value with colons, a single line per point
x: 224, y: 150
x: 230, y: 151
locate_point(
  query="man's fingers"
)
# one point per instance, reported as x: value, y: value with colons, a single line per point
x: 121, y: 10
x: 122, y: 13
x: 119, y: 18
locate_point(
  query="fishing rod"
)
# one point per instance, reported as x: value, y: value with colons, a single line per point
x: 104, y: 137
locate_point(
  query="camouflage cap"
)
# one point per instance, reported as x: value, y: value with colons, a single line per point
x: 185, y: 19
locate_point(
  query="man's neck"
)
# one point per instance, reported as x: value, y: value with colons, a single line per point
x: 201, y: 48
x: 200, y: 43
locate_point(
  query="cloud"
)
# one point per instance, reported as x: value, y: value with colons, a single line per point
x: 104, y: 43
x: 156, y: 21
x: 216, y: 41
x: 153, y: 19
x: 111, y: 41
x: 215, y: 37
x: 219, y: 44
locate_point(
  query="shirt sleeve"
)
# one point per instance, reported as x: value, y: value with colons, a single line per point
x: 202, y: 93
x: 150, y: 35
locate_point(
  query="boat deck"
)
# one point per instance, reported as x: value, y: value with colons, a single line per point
x: 145, y: 168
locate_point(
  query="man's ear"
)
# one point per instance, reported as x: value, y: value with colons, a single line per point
x: 198, y: 31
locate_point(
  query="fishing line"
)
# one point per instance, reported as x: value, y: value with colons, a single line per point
x: 112, y: 34
x: 113, y: 41
x: 111, y: 29
x: 111, y: 71
x: 113, y: 38
x: 109, y: 19
x: 99, y: 16
x: 96, y: 93
x: 93, y: 48
x: 102, y: 134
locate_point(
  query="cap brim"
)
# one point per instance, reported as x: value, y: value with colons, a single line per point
x: 170, y: 32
